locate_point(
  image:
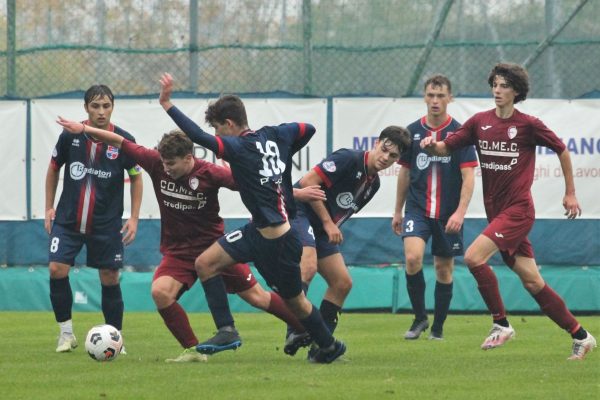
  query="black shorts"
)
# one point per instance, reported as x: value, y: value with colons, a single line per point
x: 277, y: 260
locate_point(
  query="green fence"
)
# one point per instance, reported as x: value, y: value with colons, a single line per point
x: 300, y: 47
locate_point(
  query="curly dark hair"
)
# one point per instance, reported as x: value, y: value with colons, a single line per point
x: 228, y: 106
x: 175, y: 144
x: 515, y: 75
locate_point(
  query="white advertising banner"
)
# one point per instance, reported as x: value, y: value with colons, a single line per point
x: 146, y: 121
x: 13, y: 174
x: 357, y: 123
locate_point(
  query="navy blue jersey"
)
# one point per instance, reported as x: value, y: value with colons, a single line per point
x: 260, y: 162
x: 435, y: 181
x: 93, y: 181
x: 346, y: 183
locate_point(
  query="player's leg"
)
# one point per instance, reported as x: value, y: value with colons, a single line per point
x: 339, y: 283
x: 414, y: 248
x: 64, y: 245
x: 442, y: 294
x: 553, y: 305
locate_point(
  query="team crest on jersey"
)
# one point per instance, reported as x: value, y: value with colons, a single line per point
x: 344, y: 200
x: 329, y: 166
x: 194, y: 182
x: 112, y: 152
x: 512, y: 132
x: 54, y: 153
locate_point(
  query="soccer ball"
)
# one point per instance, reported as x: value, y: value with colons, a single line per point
x: 103, y: 342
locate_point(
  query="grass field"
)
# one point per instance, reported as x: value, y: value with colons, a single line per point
x: 379, y: 363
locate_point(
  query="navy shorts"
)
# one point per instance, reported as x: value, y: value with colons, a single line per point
x: 277, y: 260
x: 442, y: 244
x: 314, y: 237
x: 104, y: 249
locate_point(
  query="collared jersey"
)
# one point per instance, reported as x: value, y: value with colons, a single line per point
x: 93, y: 181
x: 260, y: 162
x: 506, y: 149
x: 346, y: 183
x: 435, y: 182
x: 189, y: 206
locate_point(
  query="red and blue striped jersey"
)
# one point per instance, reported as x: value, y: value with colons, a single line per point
x: 93, y: 181
x: 435, y: 181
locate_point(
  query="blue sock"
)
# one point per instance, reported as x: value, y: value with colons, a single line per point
x: 216, y: 297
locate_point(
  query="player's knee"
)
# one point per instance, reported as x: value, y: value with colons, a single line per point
x: 471, y: 260
x: 161, y: 297
x: 414, y: 263
x: 343, y: 286
x: 533, y: 286
x: 258, y: 298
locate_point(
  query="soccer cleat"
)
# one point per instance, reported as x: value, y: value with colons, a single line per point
x: 295, y: 341
x: 436, y: 335
x: 416, y: 329
x: 498, y: 336
x: 66, y: 343
x: 329, y: 355
x: 582, y: 347
x: 226, y: 338
x: 188, y: 355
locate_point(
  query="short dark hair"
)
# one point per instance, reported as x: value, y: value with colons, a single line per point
x: 98, y: 91
x: 397, y: 135
x: 228, y: 106
x: 175, y: 144
x: 515, y: 75
x: 438, y: 80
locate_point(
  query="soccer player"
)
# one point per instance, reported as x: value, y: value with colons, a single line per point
x: 187, y: 192
x: 350, y: 179
x: 506, y: 139
x: 437, y: 191
x: 89, y: 212
x: 260, y: 162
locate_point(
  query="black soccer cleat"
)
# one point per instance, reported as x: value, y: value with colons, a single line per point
x: 329, y: 355
x: 294, y: 341
x: 225, y: 339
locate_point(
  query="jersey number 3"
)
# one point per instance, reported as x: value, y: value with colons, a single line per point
x: 272, y: 164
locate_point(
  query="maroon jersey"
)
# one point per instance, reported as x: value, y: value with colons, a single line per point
x: 506, y: 149
x: 189, y: 206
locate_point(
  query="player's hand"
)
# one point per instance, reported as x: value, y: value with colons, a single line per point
x: 48, y: 219
x: 397, y: 223
x: 428, y: 142
x: 571, y: 205
x: 310, y: 193
x: 455, y: 222
x: 166, y: 89
x: 333, y: 233
x: 129, y: 230
x: 71, y: 126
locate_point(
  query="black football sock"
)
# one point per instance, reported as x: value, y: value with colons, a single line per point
x: 216, y: 297
x: 415, y: 284
x: 443, y: 296
x: 330, y: 312
x: 112, y: 305
x: 61, y: 298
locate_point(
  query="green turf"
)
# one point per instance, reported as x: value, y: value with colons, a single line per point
x: 379, y: 363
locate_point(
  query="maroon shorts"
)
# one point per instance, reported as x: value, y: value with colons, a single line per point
x: 237, y: 278
x: 508, y: 230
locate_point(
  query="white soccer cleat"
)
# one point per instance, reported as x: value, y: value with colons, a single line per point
x: 498, y: 336
x: 188, y: 355
x: 66, y: 343
x: 582, y: 347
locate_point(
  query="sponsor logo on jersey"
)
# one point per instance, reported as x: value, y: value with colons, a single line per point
x: 485, y: 128
x: 358, y: 175
x: 423, y: 160
x: 512, y: 132
x: 112, y: 152
x: 78, y: 171
x: 498, y: 235
x: 345, y: 200
x: 329, y: 166
x: 75, y: 142
x: 194, y: 182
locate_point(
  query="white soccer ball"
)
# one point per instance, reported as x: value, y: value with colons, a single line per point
x: 103, y: 342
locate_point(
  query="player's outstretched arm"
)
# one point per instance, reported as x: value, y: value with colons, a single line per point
x: 570, y: 203
x: 100, y: 134
x: 310, y: 193
x: 189, y: 127
x: 436, y: 148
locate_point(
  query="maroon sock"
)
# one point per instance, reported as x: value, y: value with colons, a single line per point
x: 488, y: 287
x: 178, y: 323
x: 555, y: 308
x: 278, y: 308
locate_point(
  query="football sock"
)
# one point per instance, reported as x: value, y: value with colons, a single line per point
x: 290, y: 328
x: 278, y: 308
x: 61, y: 298
x: 178, y: 323
x: 216, y: 297
x: 415, y: 284
x: 315, y: 325
x: 66, y: 327
x: 112, y: 305
x: 330, y: 313
x: 579, y: 334
x: 502, y: 322
x: 442, y: 296
x: 554, y: 307
x: 488, y: 288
